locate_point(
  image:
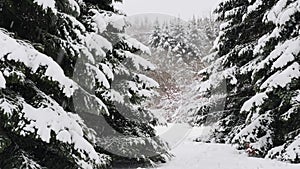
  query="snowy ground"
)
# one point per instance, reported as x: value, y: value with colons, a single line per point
x: 192, y: 155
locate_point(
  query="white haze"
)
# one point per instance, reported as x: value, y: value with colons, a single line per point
x: 178, y: 8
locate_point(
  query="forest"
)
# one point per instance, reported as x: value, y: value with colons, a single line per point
x: 83, y: 85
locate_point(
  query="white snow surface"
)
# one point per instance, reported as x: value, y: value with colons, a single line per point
x: 103, y: 18
x: 232, y: 12
x: 98, y: 45
x: 251, y: 133
x: 107, y: 71
x: 283, y: 78
x: 75, y: 6
x: 20, y: 51
x: 253, y: 7
x: 99, y: 20
x: 2, y: 81
x: 50, y: 117
x: 139, y: 62
x: 116, y: 96
x: 193, y: 155
x: 47, y: 4
x: 148, y: 82
x: 98, y: 75
x: 281, y: 12
x: 258, y: 49
x: 282, y: 55
x: 288, y: 151
x: 133, y: 43
x: 256, y: 100
x: 296, y: 99
x: 275, y: 11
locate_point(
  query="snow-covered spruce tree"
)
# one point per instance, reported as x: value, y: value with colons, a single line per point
x: 195, y: 36
x: 233, y: 37
x: 155, y: 37
x: 257, y: 52
x: 208, y: 29
x: 277, y: 77
x: 60, y: 68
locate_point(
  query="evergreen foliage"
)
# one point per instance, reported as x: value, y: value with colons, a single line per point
x: 72, y: 88
x: 257, y: 53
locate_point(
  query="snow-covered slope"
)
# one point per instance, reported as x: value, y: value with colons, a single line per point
x: 193, y: 155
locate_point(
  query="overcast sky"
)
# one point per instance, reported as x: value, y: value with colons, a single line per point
x: 183, y: 8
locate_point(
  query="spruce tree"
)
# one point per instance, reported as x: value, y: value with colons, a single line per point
x: 72, y: 88
x: 257, y: 52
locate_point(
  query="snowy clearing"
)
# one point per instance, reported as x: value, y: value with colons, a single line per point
x: 193, y: 155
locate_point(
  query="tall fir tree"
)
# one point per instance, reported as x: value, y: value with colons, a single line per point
x: 257, y: 53
x: 72, y: 88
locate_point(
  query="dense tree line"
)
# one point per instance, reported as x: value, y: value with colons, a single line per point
x: 178, y: 47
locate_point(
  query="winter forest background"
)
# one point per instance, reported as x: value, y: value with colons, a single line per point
x: 83, y: 85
